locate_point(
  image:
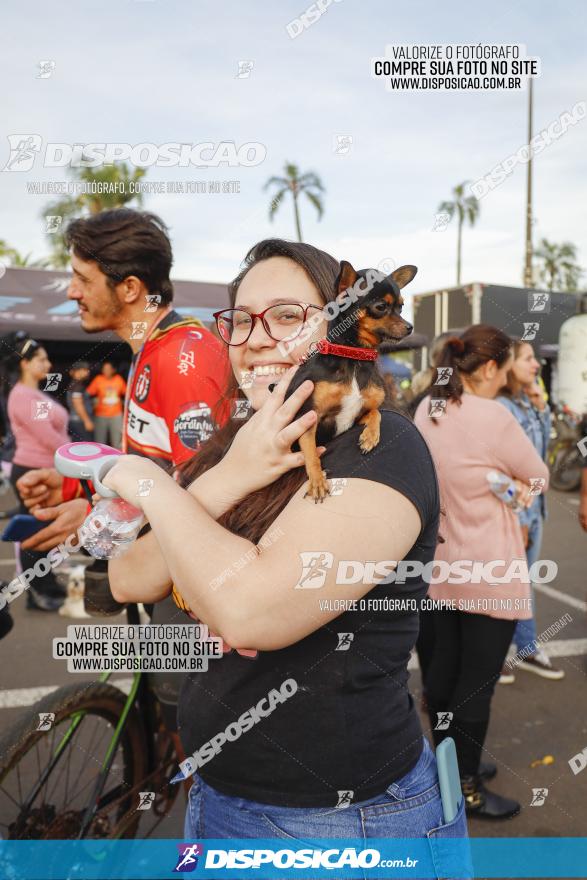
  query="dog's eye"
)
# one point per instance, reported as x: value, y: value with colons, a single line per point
x: 379, y: 308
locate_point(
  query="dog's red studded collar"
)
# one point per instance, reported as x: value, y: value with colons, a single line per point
x: 323, y: 346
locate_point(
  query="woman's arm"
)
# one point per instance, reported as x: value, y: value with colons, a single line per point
x: 258, y: 455
x: 261, y: 602
x: 218, y: 489
x: 525, y: 516
x: 46, y: 432
x: 142, y: 573
x: 77, y: 401
x: 516, y: 451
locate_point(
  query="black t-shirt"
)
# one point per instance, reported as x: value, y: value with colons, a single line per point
x: 352, y: 724
x: 77, y: 388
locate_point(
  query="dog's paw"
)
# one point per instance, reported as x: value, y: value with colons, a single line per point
x: 318, y: 488
x: 369, y: 439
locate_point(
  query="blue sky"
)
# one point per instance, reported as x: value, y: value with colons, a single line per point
x: 157, y: 71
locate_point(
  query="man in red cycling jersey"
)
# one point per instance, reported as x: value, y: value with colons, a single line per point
x: 121, y: 262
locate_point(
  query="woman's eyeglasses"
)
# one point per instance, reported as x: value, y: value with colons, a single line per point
x: 280, y: 321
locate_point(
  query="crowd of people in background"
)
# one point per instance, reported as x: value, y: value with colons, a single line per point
x: 96, y: 406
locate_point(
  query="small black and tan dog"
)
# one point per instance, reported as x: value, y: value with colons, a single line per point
x: 348, y: 386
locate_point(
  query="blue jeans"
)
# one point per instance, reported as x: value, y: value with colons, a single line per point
x: 525, y: 632
x: 410, y: 807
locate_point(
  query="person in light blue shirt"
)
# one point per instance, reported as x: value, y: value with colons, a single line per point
x: 524, y: 397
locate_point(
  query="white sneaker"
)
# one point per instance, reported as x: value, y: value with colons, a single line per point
x: 506, y: 676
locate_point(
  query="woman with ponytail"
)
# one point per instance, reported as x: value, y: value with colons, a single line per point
x: 39, y: 425
x: 465, y: 639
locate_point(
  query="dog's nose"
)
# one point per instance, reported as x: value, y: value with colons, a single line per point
x: 409, y: 328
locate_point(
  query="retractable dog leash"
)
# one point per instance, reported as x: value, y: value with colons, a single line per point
x: 113, y: 524
x: 87, y: 461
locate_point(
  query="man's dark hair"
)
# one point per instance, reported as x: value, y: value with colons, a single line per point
x: 125, y: 242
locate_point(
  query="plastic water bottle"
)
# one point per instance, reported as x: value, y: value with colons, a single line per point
x: 110, y: 528
x: 504, y: 488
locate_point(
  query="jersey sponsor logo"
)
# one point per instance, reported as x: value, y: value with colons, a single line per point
x: 146, y: 429
x: 194, y: 425
x: 187, y: 352
x: 143, y: 384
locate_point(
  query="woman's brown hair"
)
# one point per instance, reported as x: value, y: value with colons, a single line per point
x: 464, y: 354
x: 251, y: 517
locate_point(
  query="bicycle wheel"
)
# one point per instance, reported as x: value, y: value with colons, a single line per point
x: 36, y: 808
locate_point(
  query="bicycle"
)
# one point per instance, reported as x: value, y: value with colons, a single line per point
x: 563, y: 457
x: 137, y: 756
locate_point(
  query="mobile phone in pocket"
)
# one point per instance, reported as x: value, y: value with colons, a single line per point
x: 449, y: 778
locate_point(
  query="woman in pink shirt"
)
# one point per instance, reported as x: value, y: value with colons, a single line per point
x: 465, y: 639
x: 39, y: 425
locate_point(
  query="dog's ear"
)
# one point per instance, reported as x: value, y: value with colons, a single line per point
x: 346, y: 277
x: 403, y: 275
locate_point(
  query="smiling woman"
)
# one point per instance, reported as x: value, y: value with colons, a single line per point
x: 350, y: 730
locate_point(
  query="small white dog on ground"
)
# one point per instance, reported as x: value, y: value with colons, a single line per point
x: 74, y: 602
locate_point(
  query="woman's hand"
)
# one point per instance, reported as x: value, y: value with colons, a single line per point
x: 524, y: 496
x: 535, y: 396
x: 132, y: 476
x: 261, y: 450
x: 526, y: 536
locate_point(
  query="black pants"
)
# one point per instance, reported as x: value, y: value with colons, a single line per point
x: 46, y: 584
x: 463, y: 656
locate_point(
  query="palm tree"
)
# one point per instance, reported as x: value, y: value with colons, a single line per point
x: 6, y: 252
x: 559, y: 269
x: 308, y: 183
x: 466, y: 208
x: 92, y: 203
x: 13, y: 257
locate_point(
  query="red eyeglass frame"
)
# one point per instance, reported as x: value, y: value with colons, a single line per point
x: 261, y: 316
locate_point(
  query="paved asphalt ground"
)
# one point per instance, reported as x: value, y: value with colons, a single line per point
x: 530, y: 719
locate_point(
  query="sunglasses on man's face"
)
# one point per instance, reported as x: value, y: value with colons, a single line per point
x: 280, y: 321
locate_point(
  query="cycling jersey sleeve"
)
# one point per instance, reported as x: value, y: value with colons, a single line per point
x: 72, y: 489
x: 194, y: 373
